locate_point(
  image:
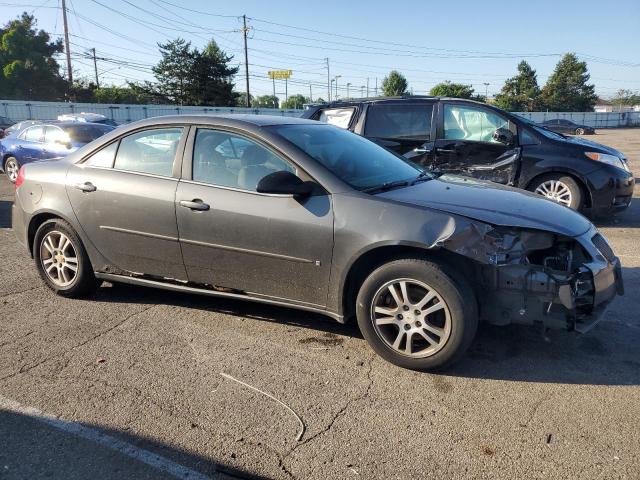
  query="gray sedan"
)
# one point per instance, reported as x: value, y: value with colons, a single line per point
x: 302, y: 214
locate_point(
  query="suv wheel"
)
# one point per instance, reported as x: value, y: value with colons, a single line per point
x: 559, y: 188
x: 415, y: 315
x: 579, y: 131
x: 11, y: 168
x: 62, y: 261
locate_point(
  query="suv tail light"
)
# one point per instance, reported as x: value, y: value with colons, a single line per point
x: 20, y: 178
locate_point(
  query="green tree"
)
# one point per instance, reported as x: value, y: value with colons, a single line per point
x: 295, y: 101
x: 212, y: 77
x: 174, y: 72
x: 241, y: 99
x: 28, y: 69
x: 567, y: 89
x: 265, y: 101
x: 520, y: 93
x: 454, y: 90
x: 394, y: 84
x: 626, y: 97
x: 118, y: 95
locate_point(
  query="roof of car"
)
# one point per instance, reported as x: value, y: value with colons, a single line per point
x: 400, y: 98
x: 238, y: 118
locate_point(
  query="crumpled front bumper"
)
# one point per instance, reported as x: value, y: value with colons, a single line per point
x: 528, y: 294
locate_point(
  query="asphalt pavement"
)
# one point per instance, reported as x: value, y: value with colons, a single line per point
x: 129, y: 384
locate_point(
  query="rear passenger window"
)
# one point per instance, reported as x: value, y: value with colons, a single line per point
x: 228, y: 160
x: 404, y: 121
x: 34, y: 134
x: 149, y: 151
x: 103, y: 158
x: 340, y: 117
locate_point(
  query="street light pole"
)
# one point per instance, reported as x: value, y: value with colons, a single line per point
x: 486, y: 91
x: 348, y: 85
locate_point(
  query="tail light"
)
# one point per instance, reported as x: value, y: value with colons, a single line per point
x: 20, y: 179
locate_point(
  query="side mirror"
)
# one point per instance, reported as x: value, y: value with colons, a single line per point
x: 284, y: 183
x: 504, y: 136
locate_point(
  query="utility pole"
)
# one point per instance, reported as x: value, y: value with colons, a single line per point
x: 348, y: 85
x: 367, y: 87
x: 376, y: 87
x: 486, y: 91
x: 66, y: 42
x: 310, y: 94
x: 336, y: 79
x: 361, y: 91
x: 331, y: 89
x: 328, y: 81
x: 95, y: 67
x: 246, y: 57
x: 286, y: 90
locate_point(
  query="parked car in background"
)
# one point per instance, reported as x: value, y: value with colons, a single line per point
x: 560, y: 125
x: 4, y: 124
x: 18, y: 126
x: 297, y: 213
x: 451, y: 135
x: 44, y: 141
x: 87, y: 117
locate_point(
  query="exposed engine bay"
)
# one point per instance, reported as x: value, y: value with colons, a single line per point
x: 527, y: 276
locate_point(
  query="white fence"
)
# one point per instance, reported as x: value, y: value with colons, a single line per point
x: 24, y: 110
x: 592, y: 119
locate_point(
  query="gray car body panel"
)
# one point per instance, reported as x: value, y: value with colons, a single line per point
x: 285, y: 250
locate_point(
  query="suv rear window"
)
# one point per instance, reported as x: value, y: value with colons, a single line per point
x: 340, y: 117
x: 407, y: 121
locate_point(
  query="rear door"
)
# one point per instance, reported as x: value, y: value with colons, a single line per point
x: 405, y: 128
x: 30, y: 146
x: 124, y: 198
x: 466, y: 144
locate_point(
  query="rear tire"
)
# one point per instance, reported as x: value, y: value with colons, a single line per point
x: 11, y: 168
x: 559, y: 188
x: 62, y: 260
x: 405, y: 328
x: 579, y: 131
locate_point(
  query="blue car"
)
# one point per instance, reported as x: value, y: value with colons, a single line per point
x: 45, y: 141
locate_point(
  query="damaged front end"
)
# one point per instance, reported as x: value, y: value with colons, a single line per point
x: 528, y: 276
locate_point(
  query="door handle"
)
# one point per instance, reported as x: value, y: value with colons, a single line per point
x: 86, y: 187
x: 195, y: 204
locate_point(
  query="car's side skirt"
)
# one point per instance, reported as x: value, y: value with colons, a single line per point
x: 146, y: 282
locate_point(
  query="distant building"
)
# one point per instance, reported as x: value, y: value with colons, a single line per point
x: 606, y: 106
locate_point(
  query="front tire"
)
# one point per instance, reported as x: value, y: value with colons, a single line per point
x: 579, y: 131
x: 11, y: 168
x: 416, y: 315
x: 62, y: 261
x: 559, y: 188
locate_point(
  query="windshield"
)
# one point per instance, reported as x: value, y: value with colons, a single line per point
x: 86, y: 133
x: 355, y: 160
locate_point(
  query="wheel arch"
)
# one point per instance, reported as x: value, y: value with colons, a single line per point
x: 582, y: 183
x: 37, y: 220
x: 367, y: 261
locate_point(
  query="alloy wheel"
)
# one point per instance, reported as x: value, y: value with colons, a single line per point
x: 411, y: 317
x: 59, y: 259
x: 12, y: 168
x: 555, y: 190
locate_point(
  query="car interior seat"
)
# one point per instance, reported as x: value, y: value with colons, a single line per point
x: 253, y: 167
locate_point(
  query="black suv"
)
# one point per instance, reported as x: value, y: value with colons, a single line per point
x: 459, y: 136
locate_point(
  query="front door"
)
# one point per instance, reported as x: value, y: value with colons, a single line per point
x: 124, y: 198
x: 404, y: 128
x: 466, y: 144
x: 233, y: 237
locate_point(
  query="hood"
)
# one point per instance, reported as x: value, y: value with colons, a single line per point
x: 588, y: 143
x: 492, y: 203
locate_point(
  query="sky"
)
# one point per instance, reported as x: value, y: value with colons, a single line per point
x: 469, y: 42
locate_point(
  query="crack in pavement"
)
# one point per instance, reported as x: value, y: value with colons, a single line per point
x: 22, y: 291
x: 25, y: 368
x: 338, y: 414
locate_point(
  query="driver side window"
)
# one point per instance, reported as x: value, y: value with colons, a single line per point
x: 229, y: 160
x: 472, y: 124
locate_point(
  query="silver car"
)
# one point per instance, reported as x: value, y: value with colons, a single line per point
x: 298, y: 213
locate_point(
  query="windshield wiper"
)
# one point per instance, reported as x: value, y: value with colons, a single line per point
x: 422, y: 177
x: 386, y: 186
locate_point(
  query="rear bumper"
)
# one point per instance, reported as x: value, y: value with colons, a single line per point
x: 19, y: 224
